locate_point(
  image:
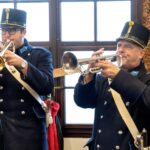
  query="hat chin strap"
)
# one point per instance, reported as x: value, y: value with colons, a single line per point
x: 12, y: 24
x: 134, y: 40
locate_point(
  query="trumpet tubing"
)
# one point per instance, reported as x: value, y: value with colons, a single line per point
x: 70, y: 63
x: 94, y: 59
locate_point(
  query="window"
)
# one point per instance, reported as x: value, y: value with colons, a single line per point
x: 77, y: 21
x: 37, y: 25
x: 111, y: 16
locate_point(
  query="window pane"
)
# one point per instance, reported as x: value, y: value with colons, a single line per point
x: 37, y: 20
x: 4, y: 5
x: 111, y: 17
x: 77, y: 21
x: 75, y: 114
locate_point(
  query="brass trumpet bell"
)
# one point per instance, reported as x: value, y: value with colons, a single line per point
x: 69, y: 62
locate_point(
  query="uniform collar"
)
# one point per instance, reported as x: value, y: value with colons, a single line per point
x: 23, y: 48
x: 139, y: 70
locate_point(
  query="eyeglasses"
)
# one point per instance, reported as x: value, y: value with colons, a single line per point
x: 11, y: 31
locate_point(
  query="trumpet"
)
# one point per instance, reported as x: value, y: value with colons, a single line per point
x: 71, y: 64
x: 5, y: 47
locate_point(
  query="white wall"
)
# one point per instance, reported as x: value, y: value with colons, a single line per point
x: 75, y: 143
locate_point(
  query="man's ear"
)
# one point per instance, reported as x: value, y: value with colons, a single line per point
x: 142, y: 53
x: 24, y: 31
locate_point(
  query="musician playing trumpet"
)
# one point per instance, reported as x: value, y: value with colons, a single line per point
x: 22, y: 119
x: 130, y: 79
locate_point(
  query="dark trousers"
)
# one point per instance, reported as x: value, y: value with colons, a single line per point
x: 20, y: 134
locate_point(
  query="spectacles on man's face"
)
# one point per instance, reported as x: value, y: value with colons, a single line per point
x: 11, y: 31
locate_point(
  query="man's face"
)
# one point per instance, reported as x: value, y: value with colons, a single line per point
x: 14, y: 34
x: 131, y: 54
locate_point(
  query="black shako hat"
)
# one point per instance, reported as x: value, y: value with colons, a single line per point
x: 13, y: 17
x: 136, y: 33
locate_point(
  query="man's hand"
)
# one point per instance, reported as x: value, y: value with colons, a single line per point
x: 13, y: 59
x: 108, y: 69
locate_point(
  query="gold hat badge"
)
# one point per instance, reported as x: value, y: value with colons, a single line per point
x: 7, y: 10
x: 131, y: 23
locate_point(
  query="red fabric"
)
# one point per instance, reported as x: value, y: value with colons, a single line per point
x: 53, y: 143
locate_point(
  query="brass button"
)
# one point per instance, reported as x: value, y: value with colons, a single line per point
x: 23, y: 112
x: 101, y: 116
x: 1, y: 100
x: 1, y: 88
x: 1, y: 112
x: 22, y: 100
x: 117, y: 147
x: 99, y: 131
x: 105, y: 102
x: 98, y: 146
x: 23, y: 88
x: 120, y: 132
x: 109, y: 90
x: 127, y: 103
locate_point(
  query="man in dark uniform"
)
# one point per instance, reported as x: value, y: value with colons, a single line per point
x: 22, y: 119
x: 131, y: 80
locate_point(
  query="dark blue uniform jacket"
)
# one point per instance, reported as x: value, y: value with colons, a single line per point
x: 109, y: 130
x: 16, y: 101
